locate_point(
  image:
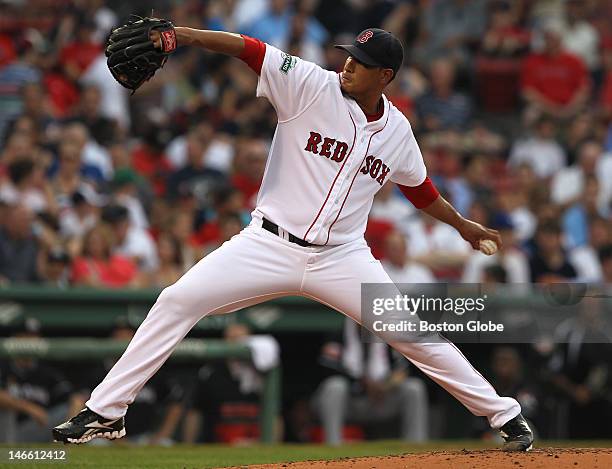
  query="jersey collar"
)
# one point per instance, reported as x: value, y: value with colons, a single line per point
x: 377, y: 124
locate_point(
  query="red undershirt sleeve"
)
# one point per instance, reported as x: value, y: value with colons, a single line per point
x: 253, y: 53
x: 421, y: 196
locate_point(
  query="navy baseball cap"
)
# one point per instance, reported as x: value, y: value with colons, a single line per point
x: 377, y: 48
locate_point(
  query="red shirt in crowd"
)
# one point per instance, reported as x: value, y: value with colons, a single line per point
x: 208, y: 233
x: 606, y: 92
x: 63, y: 94
x: 557, y: 77
x: 248, y: 187
x: 376, y: 232
x: 153, y: 167
x: 7, y: 50
x: 116, y: 272
x: 80, y: 54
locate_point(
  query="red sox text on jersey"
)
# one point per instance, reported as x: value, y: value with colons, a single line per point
x: 336, y: 151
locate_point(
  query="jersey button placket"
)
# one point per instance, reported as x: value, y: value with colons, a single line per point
x: 343, y: 183
x: 335, y: 197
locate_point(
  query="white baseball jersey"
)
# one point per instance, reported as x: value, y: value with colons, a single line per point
x: 326, y: 161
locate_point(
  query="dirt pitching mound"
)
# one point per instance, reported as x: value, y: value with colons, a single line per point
x: 540, y: 458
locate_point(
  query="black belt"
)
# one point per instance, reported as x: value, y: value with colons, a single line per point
x: 273, y: 228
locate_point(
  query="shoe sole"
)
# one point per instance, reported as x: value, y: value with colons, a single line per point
x: 114, y: 435
x: 517, y: 446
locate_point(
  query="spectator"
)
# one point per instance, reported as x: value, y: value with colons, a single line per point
x: 19, y: 146
x: 477, y: 178
x: 366, y: 386
x: 130, y: 240
x: 580, y: 130
x: 55, y: 270
x: 83, y: 213
x: 102, y: 129
x: 92, y: 154
x: 229, y: 225
x: 70, y: 174
x: 19, y: 247
x: 549, y: 262
x: 505, y: 37
x: 443, y: 108
x: 569, y: 183
x: 454, y: 25
x: 440, y: 249
x: 600, y: 232
x: 97, y: 266
x: 249, y: 166
x: 227, y: 202
x: 13, y: 77
x: 605, y: 97
x: 150, y: 162
x: 578, y: 371
x: 579, y: 36
x: 27, y: 186
x: 36, y: 106
x: 554, y: 82
x: 387, y: 206
x: 170, y: 266
x: 104, y: 18
x: 76, y: 56
x: 298, y: 42
x: 200, y: 147
x: 115, y: 103
x: 398, y: 265
x: 575, y: 218
x: 181, y: 228
x: 33, y: 395
x: 274, y: 27
x: 7, y: 50
x: 126, y: 184
x: 195, y: 176
x: 402, y: 21
x: 541, y: 150
x: 585, y: 257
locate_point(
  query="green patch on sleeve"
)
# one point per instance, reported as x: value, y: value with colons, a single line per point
x: 288, y: 63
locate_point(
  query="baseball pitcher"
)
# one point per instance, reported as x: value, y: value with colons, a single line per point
x: 338, y: 140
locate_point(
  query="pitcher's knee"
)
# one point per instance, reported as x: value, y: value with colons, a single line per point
x: 171, y: 300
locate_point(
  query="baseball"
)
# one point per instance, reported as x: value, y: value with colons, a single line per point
x: 488, y: 246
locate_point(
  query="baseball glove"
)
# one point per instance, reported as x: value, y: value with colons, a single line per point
x: 132, y: 56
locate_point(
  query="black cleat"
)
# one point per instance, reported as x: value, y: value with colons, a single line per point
x: 517, y: 435
x: 86, y: 426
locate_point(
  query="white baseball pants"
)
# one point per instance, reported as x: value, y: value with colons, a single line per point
x: 255, y: 266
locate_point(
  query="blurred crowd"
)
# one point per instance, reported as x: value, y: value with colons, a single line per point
x: 511, y: 102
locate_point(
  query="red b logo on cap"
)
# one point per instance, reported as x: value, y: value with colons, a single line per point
x: 363, y: 37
